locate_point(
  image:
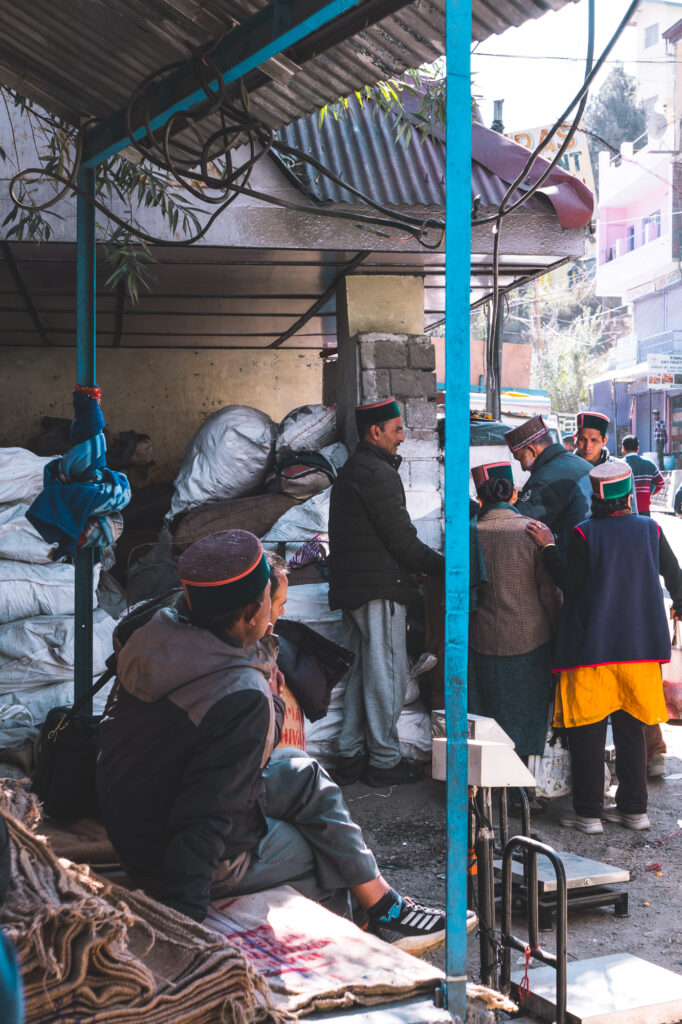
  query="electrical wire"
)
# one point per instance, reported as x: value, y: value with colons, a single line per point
x: 591, y: 69
x: 201, y: 163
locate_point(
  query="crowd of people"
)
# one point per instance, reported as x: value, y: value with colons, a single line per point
x: 570, y: 620
x: 200, y: 800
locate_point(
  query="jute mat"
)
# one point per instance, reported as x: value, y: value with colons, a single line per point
x: 91, y: 951
x: 314, y: 960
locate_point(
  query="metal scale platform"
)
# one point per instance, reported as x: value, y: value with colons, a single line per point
x: 615, y: 989
x: 588, y: 884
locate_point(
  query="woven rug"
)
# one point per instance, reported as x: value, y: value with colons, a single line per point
x: 91, y: 951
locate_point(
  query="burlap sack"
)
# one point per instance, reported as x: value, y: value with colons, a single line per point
x: 313, y: 959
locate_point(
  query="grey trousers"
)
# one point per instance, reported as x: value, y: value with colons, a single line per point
x: 375, y: 690
x: 312, y: 843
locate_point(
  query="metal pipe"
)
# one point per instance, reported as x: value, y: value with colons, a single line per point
x: 485, y: 842
x: 85, y: 374
x: 457, y: 287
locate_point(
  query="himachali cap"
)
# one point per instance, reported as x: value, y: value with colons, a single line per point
x: 528, y: 433
x: 492, y: 471
x: 223, y: 571
x: 611, y: 480
x: 379, y: 412
x: 593, y: 421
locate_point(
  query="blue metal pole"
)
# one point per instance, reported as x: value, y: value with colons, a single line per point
x: 85, y: 374
x: 265, y: 34
x: 457, y: 288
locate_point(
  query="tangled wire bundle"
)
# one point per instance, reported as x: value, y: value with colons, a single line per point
x: 197, y: 148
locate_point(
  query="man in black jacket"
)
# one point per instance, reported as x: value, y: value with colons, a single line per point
x: 374, y: 552
x: 191, y: 804
x: 557, y: 490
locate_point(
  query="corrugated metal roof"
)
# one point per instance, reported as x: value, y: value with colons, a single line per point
x: 83, y: 59
x: 362, y: 150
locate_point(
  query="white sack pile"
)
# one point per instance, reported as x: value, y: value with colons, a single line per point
x: 36, y: 603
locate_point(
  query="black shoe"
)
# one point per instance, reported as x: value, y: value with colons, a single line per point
x: 399, y: 774
x: 410, y: 926
x: 347, y: 770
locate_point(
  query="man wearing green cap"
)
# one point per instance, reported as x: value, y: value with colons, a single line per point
x: 374, y: 554
x: 192, y: 804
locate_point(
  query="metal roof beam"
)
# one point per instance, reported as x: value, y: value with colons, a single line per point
x: 273, y: 29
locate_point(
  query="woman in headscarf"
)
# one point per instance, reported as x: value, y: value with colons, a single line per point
x: 510, y: 670
x: 612, y: 637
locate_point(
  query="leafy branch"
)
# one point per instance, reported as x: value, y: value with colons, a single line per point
x: 138, y: 186
x: 416, y: 102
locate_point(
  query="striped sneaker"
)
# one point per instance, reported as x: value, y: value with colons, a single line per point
x: 410, y: 926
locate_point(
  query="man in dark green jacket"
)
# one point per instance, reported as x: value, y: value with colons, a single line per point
x: 556, y: 492
x: 374, y: 553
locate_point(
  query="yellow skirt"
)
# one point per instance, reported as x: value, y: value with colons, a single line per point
x: 586, y: 695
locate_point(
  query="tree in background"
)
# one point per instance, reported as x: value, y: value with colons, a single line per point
x: 569, y: 329
x: 614, y: 115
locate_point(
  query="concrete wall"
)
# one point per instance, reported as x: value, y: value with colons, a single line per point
x: 516, y: 360
x: 160, y: 392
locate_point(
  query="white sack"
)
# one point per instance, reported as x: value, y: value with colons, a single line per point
x: 39, y: 651
x: 228, y: 457
x: 309, y: 603
x: 19, y: 540
x: 307, y: 429
x: 21, y: 475
x: 302, y: 522
x: 28, y: 590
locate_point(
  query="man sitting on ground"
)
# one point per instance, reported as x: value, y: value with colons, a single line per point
x: 189, y: 800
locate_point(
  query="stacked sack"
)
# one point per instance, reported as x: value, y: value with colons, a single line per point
x: 36, y: 600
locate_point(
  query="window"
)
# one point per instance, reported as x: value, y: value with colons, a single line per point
x: 650, y: 35
x: 650, y: 106
x: 630, y: 240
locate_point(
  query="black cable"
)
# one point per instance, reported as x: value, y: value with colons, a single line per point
x: 193, y: 168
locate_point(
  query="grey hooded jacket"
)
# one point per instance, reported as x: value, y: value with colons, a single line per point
x: 180, y: 757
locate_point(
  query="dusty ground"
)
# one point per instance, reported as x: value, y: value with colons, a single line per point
x: 406, y: 830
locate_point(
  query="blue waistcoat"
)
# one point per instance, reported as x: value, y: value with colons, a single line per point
x: 618, y: 616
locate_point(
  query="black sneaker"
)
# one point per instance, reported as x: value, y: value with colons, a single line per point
x: 347, y: 770
x: 410, y: 926
x: 398, y: 775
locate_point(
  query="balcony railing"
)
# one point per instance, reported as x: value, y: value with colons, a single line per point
x: 659, y: 344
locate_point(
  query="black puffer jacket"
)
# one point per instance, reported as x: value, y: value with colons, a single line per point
x: 374, y: 547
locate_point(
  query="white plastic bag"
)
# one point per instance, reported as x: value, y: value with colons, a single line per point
x: 19, y: 540
x: 228, y: 457
x: 28, y: 590
x: 552, y: 769
x: 21, y: 475
x: 307, y: 429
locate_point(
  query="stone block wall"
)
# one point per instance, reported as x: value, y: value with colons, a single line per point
x: 403, y: 365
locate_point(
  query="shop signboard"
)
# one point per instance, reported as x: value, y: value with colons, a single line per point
x: 576, y: 159
x: 664, y: 372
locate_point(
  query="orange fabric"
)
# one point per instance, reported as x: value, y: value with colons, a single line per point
x: 586, y: 695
